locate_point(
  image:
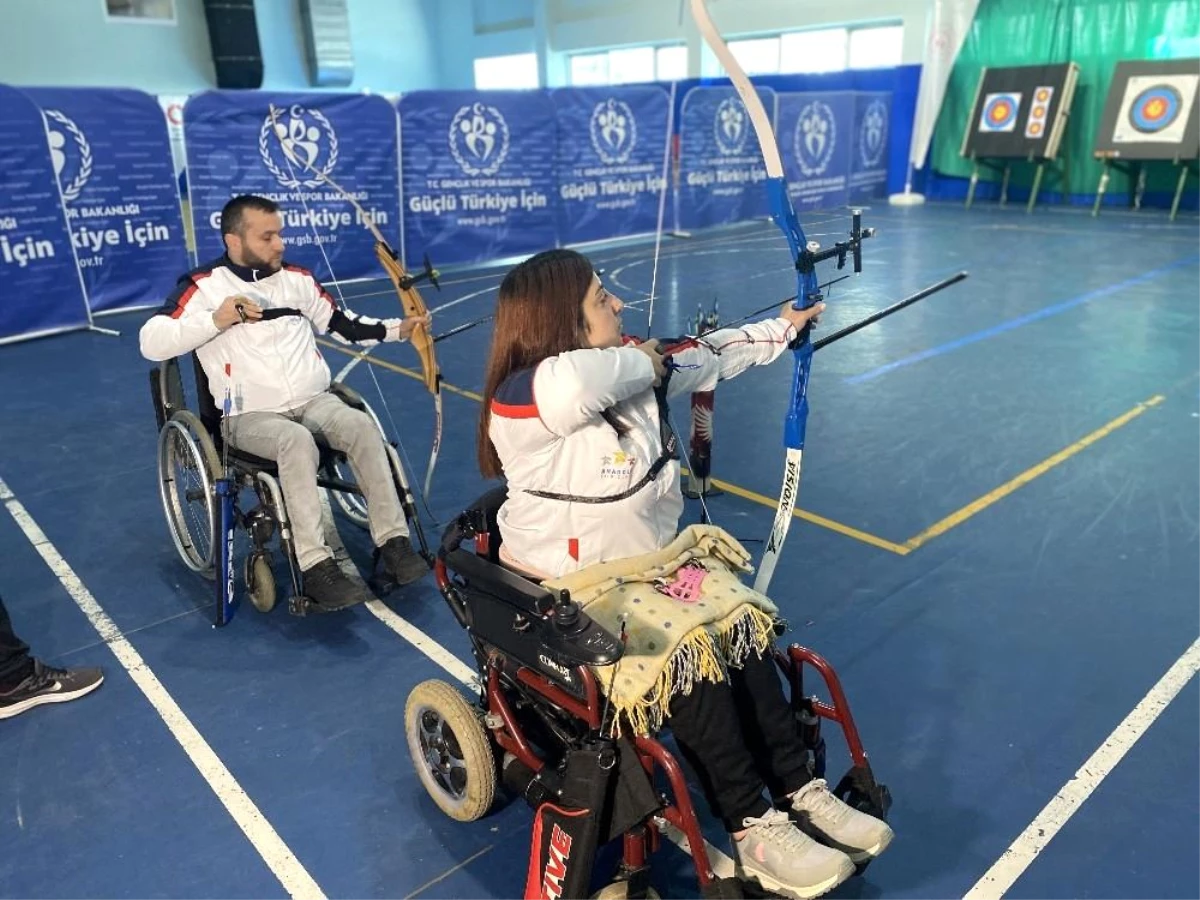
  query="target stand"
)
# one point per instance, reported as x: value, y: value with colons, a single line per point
x: 1150, y: 116
x: 1020, y: 113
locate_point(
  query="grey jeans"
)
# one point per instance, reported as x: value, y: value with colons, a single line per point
x: 287, y: 438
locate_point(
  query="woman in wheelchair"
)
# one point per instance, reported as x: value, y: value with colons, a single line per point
x: 574, y: 418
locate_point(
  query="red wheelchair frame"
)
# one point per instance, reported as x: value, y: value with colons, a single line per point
x: 498, y: 606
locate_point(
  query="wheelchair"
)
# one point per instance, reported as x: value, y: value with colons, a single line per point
x: 539, y: 703
x: 193, y: 459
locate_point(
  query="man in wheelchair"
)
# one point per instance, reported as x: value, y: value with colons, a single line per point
x: 575, y: 419
x: 249, y: 316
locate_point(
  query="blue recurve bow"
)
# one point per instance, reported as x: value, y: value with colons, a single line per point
x: 808, y: 289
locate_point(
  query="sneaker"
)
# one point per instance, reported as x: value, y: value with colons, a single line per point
x: 48, y: 685
x: 784, y: 860
x: 404, y: 564
x: 823, y: 816
x: 329, y: 588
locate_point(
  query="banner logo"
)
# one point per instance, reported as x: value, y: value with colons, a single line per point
x: 872, y: 137
x: 75, y: 160
x: 479, y: 139
x: 614, y: 131
x: 729, y: 126
x: 306, y: 136
x: 814, y: 138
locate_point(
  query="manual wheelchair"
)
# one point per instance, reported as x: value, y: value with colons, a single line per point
x: 193, y: 460
x: 539, y: 703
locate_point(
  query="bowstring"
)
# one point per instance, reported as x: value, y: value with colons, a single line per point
x: 387, y: 409
x: 662, y: 206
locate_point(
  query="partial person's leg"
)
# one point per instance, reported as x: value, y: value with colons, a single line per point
x: 774, y: 739
x: 355, y: 434
x: 26, y: 682
x: 767, y: 847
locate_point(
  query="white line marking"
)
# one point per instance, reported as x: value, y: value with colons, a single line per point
x: 1033, y: 840
x: 270, y: 846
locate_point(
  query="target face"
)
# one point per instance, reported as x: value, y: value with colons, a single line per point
x: 1155, y: 108
x: 1036, y: 124
x: 999, y: 112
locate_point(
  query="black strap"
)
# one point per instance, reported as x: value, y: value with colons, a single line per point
x: 670, y: 451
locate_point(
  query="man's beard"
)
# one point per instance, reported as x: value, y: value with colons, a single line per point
x: 251, y: 261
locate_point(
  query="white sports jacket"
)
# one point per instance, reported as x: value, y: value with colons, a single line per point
x: 271, y: 365
x: 548, y: 431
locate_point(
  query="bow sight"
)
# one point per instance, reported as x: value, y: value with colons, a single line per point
x: 428, y: 273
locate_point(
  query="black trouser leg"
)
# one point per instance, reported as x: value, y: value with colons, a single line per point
x: 15, y: 663
x: 706, y: 728
x: 768, y: 725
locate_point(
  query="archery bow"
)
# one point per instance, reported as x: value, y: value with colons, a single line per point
x: 805, y: 255
x: 402, y: 281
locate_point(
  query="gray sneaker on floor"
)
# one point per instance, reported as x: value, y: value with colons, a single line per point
x: 784, y: 860
x: 48, y: 685
x: 819, y: 813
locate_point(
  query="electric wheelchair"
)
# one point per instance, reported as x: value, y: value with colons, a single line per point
x: 193, y: 459
x: 538, y: 721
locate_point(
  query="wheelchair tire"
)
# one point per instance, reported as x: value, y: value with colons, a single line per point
x: 619, y: 890
x: 185, y: 448
x: 450, y: 750
x: 260, y: 582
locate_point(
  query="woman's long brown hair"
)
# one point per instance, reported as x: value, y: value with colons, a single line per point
x: 539, y: 314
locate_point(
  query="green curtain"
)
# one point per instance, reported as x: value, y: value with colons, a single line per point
x: 1095, y: 34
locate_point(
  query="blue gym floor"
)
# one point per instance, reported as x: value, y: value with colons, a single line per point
x: 998, y: 551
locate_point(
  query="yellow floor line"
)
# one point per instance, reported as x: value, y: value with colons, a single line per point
x: 961, y: 515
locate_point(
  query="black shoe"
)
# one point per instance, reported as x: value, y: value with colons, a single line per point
x: 47, y: 685
x: 404, y: 564
x: 329, y: 588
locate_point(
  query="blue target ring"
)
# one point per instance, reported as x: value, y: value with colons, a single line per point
x: 1155, y: 108
x: 1000, y: 112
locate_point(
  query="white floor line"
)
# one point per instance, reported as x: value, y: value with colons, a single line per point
x: 1033, y: 840
x: 270, y: 846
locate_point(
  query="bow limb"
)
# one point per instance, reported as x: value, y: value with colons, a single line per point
x: 410, y: 298
x: 807, y: 288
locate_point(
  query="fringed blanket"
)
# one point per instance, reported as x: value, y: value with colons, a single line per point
x: 687, y: 616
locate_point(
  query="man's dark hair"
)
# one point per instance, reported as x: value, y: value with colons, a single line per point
x: 234, y: 213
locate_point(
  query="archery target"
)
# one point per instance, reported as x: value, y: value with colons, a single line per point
x: 999, y: 112
x: 1039, y: 109
x: 1155, y: 108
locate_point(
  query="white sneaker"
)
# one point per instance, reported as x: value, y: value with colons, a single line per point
x: 825, y: 817
x: 784, y: 860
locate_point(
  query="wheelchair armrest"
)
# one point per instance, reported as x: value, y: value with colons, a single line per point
x: 530, y: 597
x: 348, y: 395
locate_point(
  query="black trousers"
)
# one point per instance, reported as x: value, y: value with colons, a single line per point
x: 741, y: 738
x: 15, y: 663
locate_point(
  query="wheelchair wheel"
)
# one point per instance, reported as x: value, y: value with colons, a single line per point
x: 450, y: 750
x: 353, y: 505
x: 187, y: 465
x: 260, y: 582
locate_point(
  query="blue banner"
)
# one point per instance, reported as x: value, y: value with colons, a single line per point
x: 872, y: 127
x: 478, y: 171
x: 113, y: 160
x: 612, y: 142
x: 40, y: 289
x: 816, y: 137
x: 235, y: 147
x: 721, y: 167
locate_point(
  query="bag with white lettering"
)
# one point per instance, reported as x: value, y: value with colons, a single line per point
x: 567, y: 831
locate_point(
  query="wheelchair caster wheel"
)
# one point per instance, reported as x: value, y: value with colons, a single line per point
x: 260, y: 582
x: 619, y: 890
x: 450, y: 750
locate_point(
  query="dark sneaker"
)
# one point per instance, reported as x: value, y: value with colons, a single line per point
x: 329, y: 588
x: 404, y: 564
x: 47, y: 685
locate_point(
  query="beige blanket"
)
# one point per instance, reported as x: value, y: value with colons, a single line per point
x: 687, y: 616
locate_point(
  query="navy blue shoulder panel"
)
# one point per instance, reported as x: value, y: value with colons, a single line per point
x: 517, y: 388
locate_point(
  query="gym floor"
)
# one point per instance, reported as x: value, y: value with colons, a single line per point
x: 996, y: 546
